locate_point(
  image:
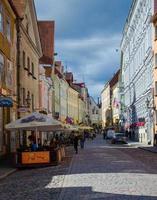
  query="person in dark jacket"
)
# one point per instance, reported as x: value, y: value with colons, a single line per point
x: 76, y: 143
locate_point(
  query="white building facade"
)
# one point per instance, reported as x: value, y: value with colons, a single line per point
x: 137, y: 70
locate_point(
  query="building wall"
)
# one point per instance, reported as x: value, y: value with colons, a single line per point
x: 73, y: 104
x: 94, y: 112
x: 155, y: 72
x: 63, y: 99
x: 137, y: 67
x: 82, y: 112
x: 115, y: 103
x: 105, y: 99
x: 7, y: 75
x: 30, y: 52
x: 56, y: 82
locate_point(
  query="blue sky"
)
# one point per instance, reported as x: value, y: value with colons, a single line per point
x: 87, y: 34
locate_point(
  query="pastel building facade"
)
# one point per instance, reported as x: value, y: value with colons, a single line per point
x: 46, y: 87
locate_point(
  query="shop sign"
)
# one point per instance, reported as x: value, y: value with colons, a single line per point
x: 35, y: 157
x: 6, y: 102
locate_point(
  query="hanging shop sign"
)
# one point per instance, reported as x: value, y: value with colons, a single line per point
x: 6, y: 102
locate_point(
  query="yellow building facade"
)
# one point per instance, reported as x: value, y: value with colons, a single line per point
x: 7, y: 73
x: 73, y: 105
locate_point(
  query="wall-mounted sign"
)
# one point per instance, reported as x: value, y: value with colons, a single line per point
x: 6, y: 102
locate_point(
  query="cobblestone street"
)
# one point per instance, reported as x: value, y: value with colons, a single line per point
x: 100, y: 171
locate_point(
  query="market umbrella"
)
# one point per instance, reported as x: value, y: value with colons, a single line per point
x: 35, y: 121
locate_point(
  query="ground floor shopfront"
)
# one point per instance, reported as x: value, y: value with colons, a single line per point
x: 8, y: 141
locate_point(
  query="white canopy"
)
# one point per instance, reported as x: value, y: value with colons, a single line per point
x: 36, y: 121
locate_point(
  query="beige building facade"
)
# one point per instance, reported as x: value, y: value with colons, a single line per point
x: 30, y: 48
x: 106, y: 103
x: 73, y: 104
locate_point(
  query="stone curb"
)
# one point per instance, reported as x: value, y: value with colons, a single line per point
x: 150, y: 150
x: 7, y: 174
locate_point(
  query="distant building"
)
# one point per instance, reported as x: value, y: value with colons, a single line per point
x: 94, y: 112
x: 106, y: 106
x: 115, y: 98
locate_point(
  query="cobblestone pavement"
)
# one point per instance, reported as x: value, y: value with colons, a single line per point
x: 100, y: 171
x: 30, y: 184
x: 111, y: 172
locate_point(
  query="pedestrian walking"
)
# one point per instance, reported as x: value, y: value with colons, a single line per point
x: 76, y: 143
x: 82, y: 140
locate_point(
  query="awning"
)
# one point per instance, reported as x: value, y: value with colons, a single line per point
x: 36, y: 121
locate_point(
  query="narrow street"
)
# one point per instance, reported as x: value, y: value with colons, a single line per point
x: 100, y: 171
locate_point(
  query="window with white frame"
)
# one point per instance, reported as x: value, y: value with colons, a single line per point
x: 1, y: 18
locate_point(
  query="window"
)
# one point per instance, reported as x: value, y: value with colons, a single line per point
x: 9, y: 74
x: 1, y: 19
x: 155, y: 60
x: 32, y: 69
x: 155, y: 88
x: 156, y: 116
x: 8, y: 29
x: 32, y: 102
x: 23, y: 96
x: 1, y: 69
x: 24, y: 59
x: 28, y: 64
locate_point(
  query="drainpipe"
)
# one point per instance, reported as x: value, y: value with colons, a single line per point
x: 18, y: 22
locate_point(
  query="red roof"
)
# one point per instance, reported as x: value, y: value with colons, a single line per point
x: 46, y: 32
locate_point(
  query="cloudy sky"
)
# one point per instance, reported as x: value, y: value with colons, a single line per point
x: 87, y: 34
